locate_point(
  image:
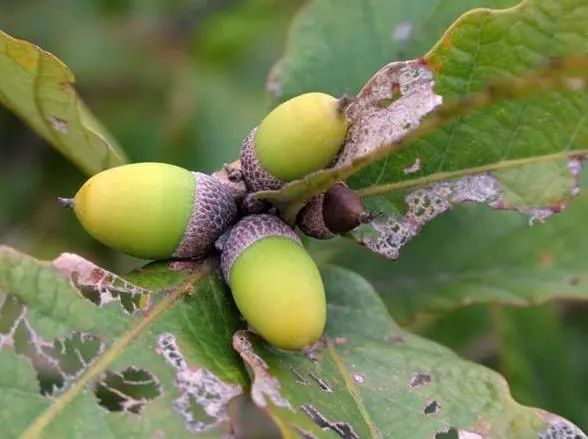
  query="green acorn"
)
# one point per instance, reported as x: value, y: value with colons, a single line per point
x: 334, y: 212
x: 298, y: 137
x: 275, y: 283
x: 154, y: 210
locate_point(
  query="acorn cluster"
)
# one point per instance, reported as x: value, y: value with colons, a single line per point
x: 161, y: 211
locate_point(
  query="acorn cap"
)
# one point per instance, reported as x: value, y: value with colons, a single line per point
x: 256, y: 176
x: 247, y: 232
x: 337, y: 211
x: 213, y: 211
x: 311, y: 219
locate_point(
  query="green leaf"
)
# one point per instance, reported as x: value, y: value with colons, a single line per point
x: 483, y: 45
x: 335, y: 46
x: 40, y: 89
x: 87, y: 353
x: 377, y: 131
x: 369, y: 378
x: 491, y: 121
x: 535, y: 357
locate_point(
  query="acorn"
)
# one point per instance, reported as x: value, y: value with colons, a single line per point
x: 275, y: 283
x: 300, y: 136
x: 154, y: 210
x: 336, y: 211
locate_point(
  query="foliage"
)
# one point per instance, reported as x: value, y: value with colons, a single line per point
x: 163, y: 351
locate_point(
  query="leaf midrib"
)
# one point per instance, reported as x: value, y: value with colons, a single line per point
x: 373, y: 191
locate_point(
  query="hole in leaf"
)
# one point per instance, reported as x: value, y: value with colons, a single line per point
x: 129, y: 390
x: 396, y: 94
x: 322, y: 383
x: 75, y: 352
x: 297, y: 377
x: 26, y: 344
x: 419, y: 379
x: 56, y: 363
x: 343, y: 429
x: 452, y: 433
x: 432, y: 407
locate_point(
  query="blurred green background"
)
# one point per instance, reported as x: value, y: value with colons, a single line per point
x: 182, y: 81
x: 178, y: 81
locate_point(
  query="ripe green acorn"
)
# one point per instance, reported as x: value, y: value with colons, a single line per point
x: 336, y: 211
x: 154, y: 210
x: 275, y: 283
x: 299, y: 136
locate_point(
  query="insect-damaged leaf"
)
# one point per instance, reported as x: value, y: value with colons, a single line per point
x: 73, y: 354
x: 537, y: 190
x: 476, y: 255
x: 369, y: 378
x: 544, y: 129
x: 38, y: 87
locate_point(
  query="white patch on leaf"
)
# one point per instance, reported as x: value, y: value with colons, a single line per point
x: 58, y: 124
x: 393, y: 232
x: 386, y: 235
x: 415, y: 167
x: 560, y: 428
x: 198, y: 386
x: 101, y: 286
x: 390, y: 105
x: 462, y: 434
x: 358, y: 378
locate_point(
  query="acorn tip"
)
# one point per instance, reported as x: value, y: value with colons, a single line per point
x: 66, y: 202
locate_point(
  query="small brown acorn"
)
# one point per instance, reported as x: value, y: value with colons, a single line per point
x: 334, y: 212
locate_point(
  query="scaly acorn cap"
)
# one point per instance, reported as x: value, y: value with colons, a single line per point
x: 336, y: 211
x: 154, y: 210
x: 256, y: 176
x: 311, y: 219
x: 214, y: 210
x: 247, y: 232
x: 275, y: 283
